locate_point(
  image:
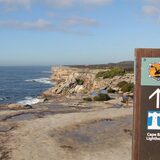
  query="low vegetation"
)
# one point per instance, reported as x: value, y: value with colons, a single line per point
x: 126, y: 86
x: 79, y: 81
x: 127, y: 65
x: 121, y: 84
x: 87, y: 99
x: 102, y: 97
x: 111, y: 73
x: 84, y: 91
x: 110, y: 90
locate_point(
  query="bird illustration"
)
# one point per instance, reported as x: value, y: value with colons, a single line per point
x: 156, y: 70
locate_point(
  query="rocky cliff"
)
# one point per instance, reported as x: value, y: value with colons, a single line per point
x: 83, y: 81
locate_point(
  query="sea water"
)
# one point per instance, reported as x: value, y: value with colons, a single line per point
x: 23, y: 84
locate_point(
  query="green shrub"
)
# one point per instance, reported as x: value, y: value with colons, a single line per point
x: 79, y: 81
x: 121, y: 84
x: 101, y: 97
x: 111, y: 73
x: 110, y: 90
x: 84, y: 91
x: 129, y: 87
x: 87, y: 99
x: 101, y: 74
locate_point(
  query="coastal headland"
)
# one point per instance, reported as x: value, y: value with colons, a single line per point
x: 87, y: 115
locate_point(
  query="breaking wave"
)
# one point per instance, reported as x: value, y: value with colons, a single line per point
x: 46, y: 72
x: 30, y: 101
x: 4, y: 98
x: 40, y: 80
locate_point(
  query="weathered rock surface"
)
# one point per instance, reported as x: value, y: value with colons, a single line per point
x: 14, y: 106
x: 76, y: 80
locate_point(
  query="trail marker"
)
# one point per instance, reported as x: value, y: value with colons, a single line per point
x: 157, y: 91
x: 146, y: 127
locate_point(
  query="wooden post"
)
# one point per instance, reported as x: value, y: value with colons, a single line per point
x: 146, y: 135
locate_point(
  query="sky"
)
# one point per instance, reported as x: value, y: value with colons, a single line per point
x: 58, y: 32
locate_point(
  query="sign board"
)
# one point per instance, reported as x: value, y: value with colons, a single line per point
x: 146, y: 133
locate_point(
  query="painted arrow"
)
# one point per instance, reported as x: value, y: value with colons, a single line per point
x: 157, y: 91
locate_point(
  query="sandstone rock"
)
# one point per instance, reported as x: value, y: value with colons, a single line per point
x: 79, y: 88
x: 15, y: 106
x: 3, y: 106
x: 68, y: 81
x: 47, y: 93
x: 61, y: 73
x: 59, y: 90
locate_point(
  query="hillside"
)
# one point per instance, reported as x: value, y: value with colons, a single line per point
x: 127, y: 65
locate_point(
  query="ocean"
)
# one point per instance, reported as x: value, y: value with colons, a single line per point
x: 23, y: 84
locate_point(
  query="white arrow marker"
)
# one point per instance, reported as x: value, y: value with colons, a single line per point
x: 157, y: 91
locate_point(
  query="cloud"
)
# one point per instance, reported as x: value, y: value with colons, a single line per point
x: 51, y: 14
x: 69, y: 3
x: 74, y: 21
x: 154, y: 1
x: 59, y: 3
x: 9, y: 3
x: 151, y: 10
x: 45, y: 25
x: 14, y: 2
x: 13, y: 5
x: 51, y: 3
x: 39, y: 24
x: 96, y: 2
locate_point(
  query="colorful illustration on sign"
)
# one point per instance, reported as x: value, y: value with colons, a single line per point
x: 150, y: 75
x: 153, y: 121
x: 154, y: 71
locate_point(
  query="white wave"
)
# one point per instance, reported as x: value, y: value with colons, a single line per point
x: 3, y: 98
x: 40, y: 80
x: 30, y: 101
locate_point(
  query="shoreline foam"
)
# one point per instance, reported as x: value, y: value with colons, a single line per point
x: 44, y: 80
x: 30, y: 101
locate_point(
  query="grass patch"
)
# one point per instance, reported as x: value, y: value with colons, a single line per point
x: 126, y: 86
x: 102, y: 97
x: 87, y: 99
x: 79, y: 81
x: 129, y: 87
x: 110, y: 90
x: 84, y: 91
x: 121, y: 84
x: 111, y: 73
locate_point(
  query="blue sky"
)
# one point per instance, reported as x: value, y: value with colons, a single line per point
x: 56, y: 32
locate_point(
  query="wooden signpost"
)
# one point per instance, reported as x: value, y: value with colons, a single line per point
x: 146, y: 133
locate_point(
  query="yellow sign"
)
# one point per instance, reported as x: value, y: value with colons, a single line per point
x: 154, y: 71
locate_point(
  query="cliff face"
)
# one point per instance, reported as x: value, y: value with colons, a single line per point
x: 72, y: 80
x: 76, y: 80
x: 60, y: 74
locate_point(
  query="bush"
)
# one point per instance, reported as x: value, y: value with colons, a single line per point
x: 111, y: 73
x: 129, y: 87
x: 84, y: 91
x: 87, y: 99
x: 110, y: 90
x: 102, y: 97
x: 121, y: 84
x: 101, y: 74
x: 79, y: 81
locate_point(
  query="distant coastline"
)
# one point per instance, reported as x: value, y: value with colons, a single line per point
x: 128, y: 65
